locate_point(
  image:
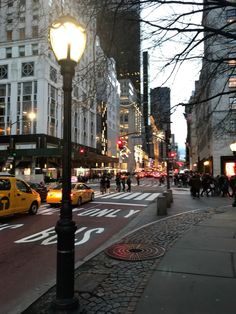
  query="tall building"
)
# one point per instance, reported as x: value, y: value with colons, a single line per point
x: 30, y: 81
x: 118, y: 27
x: 131, y: 156
x: 160, y: 112
x: 212, y: 107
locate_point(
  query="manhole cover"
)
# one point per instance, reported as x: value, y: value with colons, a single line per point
x: 134, y: 251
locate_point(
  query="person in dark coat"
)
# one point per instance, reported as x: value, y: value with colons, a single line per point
x: 118, y: 183
x: 123, y: 183
x: 108, y: 184
x: 128, y: 181
x: 195, y: 185
x: 103, y: 185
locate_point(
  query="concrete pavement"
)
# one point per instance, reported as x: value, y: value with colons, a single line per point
x: 195, y: 275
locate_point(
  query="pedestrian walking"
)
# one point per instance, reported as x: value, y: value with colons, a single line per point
x: 103, y: 185
x: 128, y: 181
x: 206, y: 188
x: 195, y: 185
x: 138, y: 179
x: 123, y: 183
x: 118, y: 183
x: 108, y: 184
x: 224, y: 186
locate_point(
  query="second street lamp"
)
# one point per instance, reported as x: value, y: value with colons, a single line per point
x: 68, y: 40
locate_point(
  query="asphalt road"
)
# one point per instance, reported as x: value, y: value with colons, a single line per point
x: 28, y: 243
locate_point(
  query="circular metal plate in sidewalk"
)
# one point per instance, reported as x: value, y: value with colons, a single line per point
x: 134, y: 251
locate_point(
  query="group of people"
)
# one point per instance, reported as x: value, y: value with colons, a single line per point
x: 205, y: 184
x: 121, y: 181
x: 105, y: 184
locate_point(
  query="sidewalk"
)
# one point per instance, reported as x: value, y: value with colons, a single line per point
x: 196, y: 274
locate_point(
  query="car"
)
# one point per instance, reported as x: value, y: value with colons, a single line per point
x: 16, y: 196
x: 80, y: 193
x: 41, y: 189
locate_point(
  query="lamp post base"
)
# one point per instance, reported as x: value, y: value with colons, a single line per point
x: 65, y: 304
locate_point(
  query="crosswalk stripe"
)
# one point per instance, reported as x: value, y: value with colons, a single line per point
x: 121, y: 195
x: 110, y: 195
x: 142, y: 196
x: 132, y: 195
x: 152, y: 197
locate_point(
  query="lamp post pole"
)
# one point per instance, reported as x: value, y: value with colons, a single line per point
x: 65, y: 227
x: 233, y: 149
x: 68, y: 41
x: 167, y: 142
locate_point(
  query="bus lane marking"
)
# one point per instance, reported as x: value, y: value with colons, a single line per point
x: 8, y: 226
x: 108, y: 212
x: 49, y: 236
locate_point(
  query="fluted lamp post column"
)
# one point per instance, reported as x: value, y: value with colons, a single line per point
x: 233, y: 149
x: 68, y: 41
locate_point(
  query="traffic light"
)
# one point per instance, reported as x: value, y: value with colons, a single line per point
x: 120, y: 144
x: 81, y: 150
x: 172, y: 154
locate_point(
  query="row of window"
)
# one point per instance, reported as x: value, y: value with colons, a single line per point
x: 21, y: 51
x: 27, y: 69
x: 22, y: 33
x: 22, y: 3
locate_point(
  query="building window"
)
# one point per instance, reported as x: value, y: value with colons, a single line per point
x: 27, y: 69
x: 9, y: 20
x: 26, y: 103
x: 3, y: 107
x: 22, y: 3
x: 232, y: 103
x: 53, y: 74
x: 232, y: 122
x: 22, y: 19
x: 9, y: 35
x: 231, y: 15
x: 35, y: 49
x: 21, y: 51
x: 35, y: 31
x: 52, y: 109
x: 22, y: 33
x: 8, y: 52
x: 232, y: 82
x: 3, y: 72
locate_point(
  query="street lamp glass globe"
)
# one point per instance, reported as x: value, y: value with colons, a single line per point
x: 233, y: 147
x: 67, y: 38
x: 31, y: 115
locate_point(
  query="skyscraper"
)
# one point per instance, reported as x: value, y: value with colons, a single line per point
x: 118, y: 27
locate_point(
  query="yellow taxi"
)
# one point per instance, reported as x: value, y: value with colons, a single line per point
x: 80, y: 193
x: 16, y: 196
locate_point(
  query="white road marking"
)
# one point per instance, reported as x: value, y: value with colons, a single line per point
x: 132, y: 195
x: 152, y: 197
x: 142, y: 196
x: 110, y: 195
x: 128, y: 204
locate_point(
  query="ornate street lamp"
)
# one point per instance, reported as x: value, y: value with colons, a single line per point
x: 233, y: 149
x: 68, y: 41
